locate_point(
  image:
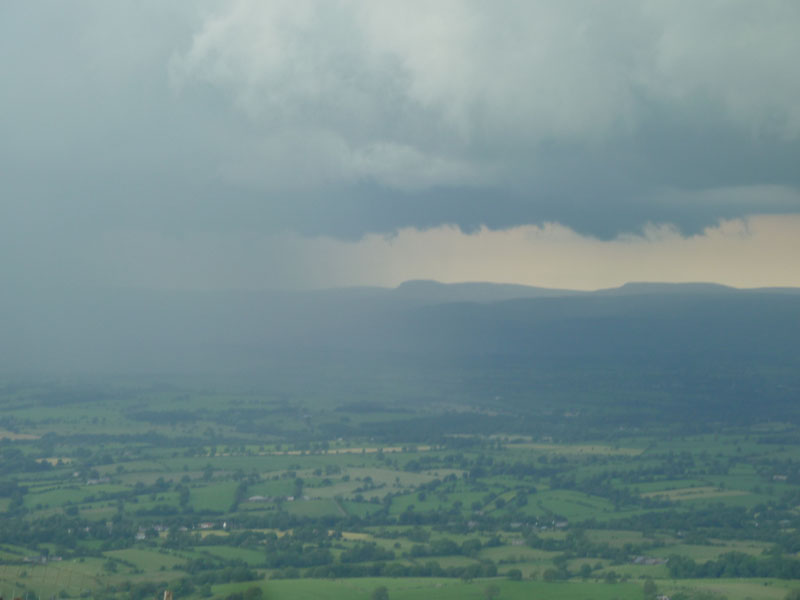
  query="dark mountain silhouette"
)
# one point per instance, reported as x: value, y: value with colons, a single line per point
x: 204, y: 332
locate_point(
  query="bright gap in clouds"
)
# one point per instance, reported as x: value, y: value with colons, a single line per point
x: 753, y: 252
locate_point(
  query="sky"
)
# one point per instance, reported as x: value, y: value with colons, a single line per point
x: 252, y: 144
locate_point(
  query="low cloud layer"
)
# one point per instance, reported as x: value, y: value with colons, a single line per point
x: 211, y: 120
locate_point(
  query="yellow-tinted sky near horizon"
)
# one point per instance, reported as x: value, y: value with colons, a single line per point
x: 758, y: 251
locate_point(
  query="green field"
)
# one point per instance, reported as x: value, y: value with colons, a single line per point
x: 222, y: 493
x: 445, y: 589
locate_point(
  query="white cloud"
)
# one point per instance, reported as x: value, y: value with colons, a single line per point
x: 601, y: 116
x: 405, y: 167
x: 740, y: 54
x: 463, y: 86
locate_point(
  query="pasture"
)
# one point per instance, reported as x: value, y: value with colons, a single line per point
x: 213, y: 494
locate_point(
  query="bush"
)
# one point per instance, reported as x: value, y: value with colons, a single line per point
x: 253, y: 593
x: 380, y: 593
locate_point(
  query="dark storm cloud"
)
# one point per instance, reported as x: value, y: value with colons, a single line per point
x: 343, y: 118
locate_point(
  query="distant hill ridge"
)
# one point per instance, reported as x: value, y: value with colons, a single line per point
x: 142, y: 330
x: 475, y: 291
x: 436, y: 291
